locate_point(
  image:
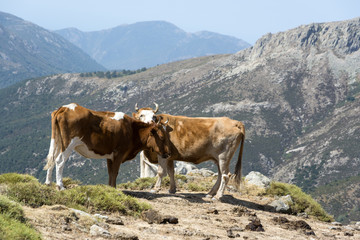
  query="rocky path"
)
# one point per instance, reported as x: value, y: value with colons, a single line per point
x: 186, y: 216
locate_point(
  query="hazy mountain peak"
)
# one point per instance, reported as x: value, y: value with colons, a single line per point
x: 146, y: 44
x: 27, y: 51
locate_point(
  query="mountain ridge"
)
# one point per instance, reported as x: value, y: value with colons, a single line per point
x: 151, y: 43
x: 28, y: 51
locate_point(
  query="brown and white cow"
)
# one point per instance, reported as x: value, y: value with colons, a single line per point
x: 196, y: 140
x: 93, y: 134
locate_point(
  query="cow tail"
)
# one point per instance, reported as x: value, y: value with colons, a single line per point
x: 54, y: 143
x: 238, y: 166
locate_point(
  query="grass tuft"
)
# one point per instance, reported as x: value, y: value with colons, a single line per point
x: 11, y: 209
x: 11, y: 228
x: 12, y: 178
x: 87, y: 198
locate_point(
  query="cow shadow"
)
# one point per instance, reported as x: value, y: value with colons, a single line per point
x: 200, y: 198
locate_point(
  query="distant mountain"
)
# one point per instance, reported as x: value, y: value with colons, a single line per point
x: 147, y: 44
x: 28, y: 51
x: 297, y: 92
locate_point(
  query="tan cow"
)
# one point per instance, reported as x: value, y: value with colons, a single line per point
x: 93, y: 134
x: 196, y: 140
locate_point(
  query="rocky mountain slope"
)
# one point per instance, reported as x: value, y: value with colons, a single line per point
x: 147, y: 44
x: 27, y: 51
x: 297, y: 93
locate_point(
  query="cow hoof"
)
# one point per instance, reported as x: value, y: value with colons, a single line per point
x: 60, y: 188
x: 215, y: 199
x: 172, y: 191
x: 209, y: 196
x: 154, y: 190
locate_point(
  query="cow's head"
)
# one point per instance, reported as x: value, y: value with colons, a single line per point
x: 146, y: 115
x: 158, y: 139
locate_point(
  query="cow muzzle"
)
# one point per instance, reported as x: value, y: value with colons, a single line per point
x: 165, y: 155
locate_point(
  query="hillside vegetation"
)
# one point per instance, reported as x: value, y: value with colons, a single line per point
x: 297, y: 93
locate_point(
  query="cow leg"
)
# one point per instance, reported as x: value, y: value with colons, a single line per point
x: 171, y: 172
x: 60, y: 163
x: 224, y: 174
x: 113, y: 170
x: 142, y: 165
x: 160, y: 173
x: 215, y: 188
x: 49, y: 175
x: 61, y: 159
x: 147, y: 169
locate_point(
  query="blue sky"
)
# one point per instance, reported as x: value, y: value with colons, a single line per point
x: 248, y: 20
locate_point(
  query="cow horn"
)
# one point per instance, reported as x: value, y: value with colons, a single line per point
x: 166, y: 122
x: 156, y: 107
x: 136, y: 107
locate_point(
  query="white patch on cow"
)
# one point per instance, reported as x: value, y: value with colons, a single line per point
x: 71, y: 106
x: 147, y: 116
x: 118, y: 116
x: 83, y: 150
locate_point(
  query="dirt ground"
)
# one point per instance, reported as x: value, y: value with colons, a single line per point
x: 192, y: 216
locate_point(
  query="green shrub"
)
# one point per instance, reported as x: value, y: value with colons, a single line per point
x: 302, y: 202
x: 69, y: 183
x: 149, y: 182
x: 139, y: 184
x: 11, y: 178
x: 11, y: 228
x: 195, y: 187
x: 30, y: 192
x: 102, y: 198
x: 11, y: 209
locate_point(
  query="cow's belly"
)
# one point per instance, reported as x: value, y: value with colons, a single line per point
x: 86, y: 152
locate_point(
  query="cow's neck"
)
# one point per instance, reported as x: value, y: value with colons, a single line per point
x: 141, y: 134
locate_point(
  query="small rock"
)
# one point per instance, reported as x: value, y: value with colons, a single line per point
x: 213, y: 210
x: 66, y: 228
x: 349, y: 234
x: 294, y: 225
x: 170, y: 219
x: 258, y: 179
x: 230, y: 234
x: 328, y: 235
x: 243, y: 211
x: 255, y: 225
x: 124, y: 236
x: 336, y: 224
x: 282, y: 204
x: 236, y: 229
x: 95, y: 230
x: 114, y: 221
x: 303, y: 215
x: 100, y: 216
x: 348, y: 228
x: 77, y: 212
x: 152, y: 216
x: 335, y: 228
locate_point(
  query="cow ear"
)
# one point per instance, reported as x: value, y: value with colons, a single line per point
x: 133, y: 115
